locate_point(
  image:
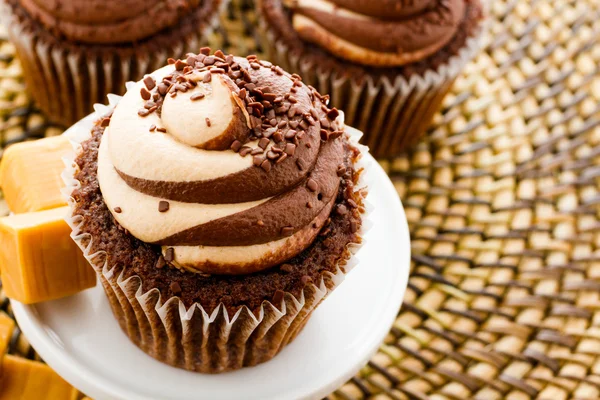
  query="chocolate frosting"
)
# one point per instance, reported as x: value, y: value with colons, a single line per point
x: 107, y: 22
x: 288, y: 209
x: 280, y: 186
x: 386, y: 9
x: 380, y: 33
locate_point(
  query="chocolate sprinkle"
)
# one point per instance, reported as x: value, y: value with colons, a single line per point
x: 266, y: 165
x: 207, y: 78
x: 152, y: 128
x: 169, y: 254
x: 197, y: 96
x: 163, y: 206
x: 278, y: 137
x: 160, y: 262
x: 207, y: 121
x: 287, y: 231
x: 333, y: 113
x: 290, y: 134
x: 149, y: 82
x: 336, y: 134
x: 105, y: 122
x: 179, y: 65
x: 146, y: 95
x: 236, y: 145
x: 258, y: 160
x: 281, y: 158
x: 263, y: 143
x: 290, y: 149
x: 245, y: 150
x: 161, y: 129
x: 118, y: 210
x: 312, y: 185
x: 175, y: 288
x: 163, y: 88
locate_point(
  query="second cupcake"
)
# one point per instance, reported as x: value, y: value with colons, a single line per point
x: 219, y: 204
x: 387, y: 63
x: 74, y: 52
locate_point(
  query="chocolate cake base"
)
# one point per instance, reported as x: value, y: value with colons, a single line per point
x: 136, y: 258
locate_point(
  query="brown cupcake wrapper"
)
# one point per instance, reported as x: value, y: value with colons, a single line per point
x: 66, y: 82
x: 392, y: 113
x: 191, y: 338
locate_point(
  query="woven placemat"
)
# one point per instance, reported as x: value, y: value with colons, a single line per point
x: 503, y: 203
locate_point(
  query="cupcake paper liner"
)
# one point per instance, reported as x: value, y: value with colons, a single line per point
x: 66, y: 81
x: 191, y: 338
x: 392, y: 113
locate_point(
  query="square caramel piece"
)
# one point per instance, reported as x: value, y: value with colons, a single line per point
x: 30, y: 174
x: 31, y: 380
x: 38, y: 259
x: 7, y: 326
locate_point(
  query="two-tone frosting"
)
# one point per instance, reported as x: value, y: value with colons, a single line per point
x: 378, y: 32
x: 229, y: 164
x: 107, y: 22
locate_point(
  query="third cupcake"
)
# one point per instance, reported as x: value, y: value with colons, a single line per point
x: 387, y: 63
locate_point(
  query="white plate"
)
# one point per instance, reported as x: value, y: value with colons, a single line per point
x: 79, y: 337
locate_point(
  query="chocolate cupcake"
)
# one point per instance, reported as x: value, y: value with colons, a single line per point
x: 75, y: 52
x: 220, y: 202
x: 387, y: 64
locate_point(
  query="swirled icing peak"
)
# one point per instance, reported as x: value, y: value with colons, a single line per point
x: 230, y: 164
x: 379, y: 32
x: 107, y: 22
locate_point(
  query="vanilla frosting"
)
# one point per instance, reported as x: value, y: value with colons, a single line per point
x: 229, y: 164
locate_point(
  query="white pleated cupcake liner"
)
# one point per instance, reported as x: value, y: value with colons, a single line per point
x: 394, y: 112
x: 192, y: 338
x: 66, y: 84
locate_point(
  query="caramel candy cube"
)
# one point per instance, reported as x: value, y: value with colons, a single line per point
x: 31, y: 380
x: 7, y: 325
x: 38, y: 259
x: 30, y: 174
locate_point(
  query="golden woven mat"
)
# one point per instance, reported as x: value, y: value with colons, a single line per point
x: 503, y: 205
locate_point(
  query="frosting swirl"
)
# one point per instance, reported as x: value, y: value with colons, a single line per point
x: 107, y: 22
x: 378, y: 33
x: 230, y: 164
